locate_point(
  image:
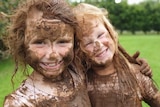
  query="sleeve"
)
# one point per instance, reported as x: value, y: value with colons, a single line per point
x: 149, y: 91
x: 14, y: 100
x: 10, y: 102
x: 19, y: 98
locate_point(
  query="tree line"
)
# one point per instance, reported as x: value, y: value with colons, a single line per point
x: 144, y: 16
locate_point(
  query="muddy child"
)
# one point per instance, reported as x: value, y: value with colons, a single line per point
x: 114, y: 78
x: 41, y: 35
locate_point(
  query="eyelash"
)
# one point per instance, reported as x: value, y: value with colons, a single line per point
x: 100, y: 35
x: 63, y: 41
x: 39, y: 42
x: 88, y: 44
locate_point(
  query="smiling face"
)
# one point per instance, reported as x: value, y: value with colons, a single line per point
x: 97, y: 44
x: 49, y: 44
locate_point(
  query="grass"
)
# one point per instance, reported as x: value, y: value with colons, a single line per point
x: 149, y: 49
x: 6, y: 71
x: 147, y: 45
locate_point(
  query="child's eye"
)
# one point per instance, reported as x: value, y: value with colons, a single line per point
x: 101, y: 35
x: 88, y: 44
x: 39, y: 42
x: 63, y: 41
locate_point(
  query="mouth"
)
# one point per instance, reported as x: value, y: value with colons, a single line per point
x: 51, y: 65
x: 101, y: 53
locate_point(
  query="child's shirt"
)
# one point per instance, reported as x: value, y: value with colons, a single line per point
x: 104, y: 91
x: 68, y: 92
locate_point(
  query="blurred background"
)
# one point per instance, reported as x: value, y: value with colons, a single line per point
x: 136, y: 21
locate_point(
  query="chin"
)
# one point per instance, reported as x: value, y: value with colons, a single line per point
x: 52, y: 74
x: 101, y: 63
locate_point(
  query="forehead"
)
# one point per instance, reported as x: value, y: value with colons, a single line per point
x: 88, y: 26
x: 46, y: 28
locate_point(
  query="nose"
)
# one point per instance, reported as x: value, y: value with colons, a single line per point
x: 52, y: 53
x: 97, y: 45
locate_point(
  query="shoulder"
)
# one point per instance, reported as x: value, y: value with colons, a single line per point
x: 146, y: 84
x: 142, y: 79
x: 138, y: 74
x: 18, y: 98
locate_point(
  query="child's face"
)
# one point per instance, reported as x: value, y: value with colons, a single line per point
x: 49, y: 46
x: 98, y: 44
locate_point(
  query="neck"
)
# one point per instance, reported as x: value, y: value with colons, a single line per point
x: 105, y: 70
x: 39, y: 77
x: 54, y: 88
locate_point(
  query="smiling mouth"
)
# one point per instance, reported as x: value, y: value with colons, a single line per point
x: 100, y: 54
x: 51, y: 65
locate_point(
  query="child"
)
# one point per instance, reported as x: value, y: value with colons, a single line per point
x: 42, y: 36
x: 113, y: 78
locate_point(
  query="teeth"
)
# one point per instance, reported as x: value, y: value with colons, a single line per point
x: 51, y: 64
x: 101, y: 53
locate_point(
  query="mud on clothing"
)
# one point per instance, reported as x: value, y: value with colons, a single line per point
x: 71, y: 92
x: 104, y: 91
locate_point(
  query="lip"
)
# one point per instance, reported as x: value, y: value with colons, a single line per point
x: 100, y: 54
x: 51, y: 65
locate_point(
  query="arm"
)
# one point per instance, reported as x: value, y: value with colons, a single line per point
x: 155, y: 101
x: 149, y: 91
x: 145, y: 68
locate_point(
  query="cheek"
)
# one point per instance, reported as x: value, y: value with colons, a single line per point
x: 87, y: 52
x: 39, y: 53
x: 86, y: 49
x: 106, y: 43
x: 63, y: 51
x: 32, y: 59
x: 67, y: 55
x: 111, y: 44
x: 34, y: 55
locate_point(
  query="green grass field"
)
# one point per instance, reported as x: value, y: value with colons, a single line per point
x: 149, y: 46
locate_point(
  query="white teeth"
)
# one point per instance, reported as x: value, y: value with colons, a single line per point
x: 52, y: 64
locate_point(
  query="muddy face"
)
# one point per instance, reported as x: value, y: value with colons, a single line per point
x: 98, y: 45
x: 49, y: 44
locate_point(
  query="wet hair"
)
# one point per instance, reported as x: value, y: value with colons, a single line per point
x: 52, y: 9
x: 85, y: 13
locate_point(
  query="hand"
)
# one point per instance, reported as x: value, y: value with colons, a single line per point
x: 144, y: 67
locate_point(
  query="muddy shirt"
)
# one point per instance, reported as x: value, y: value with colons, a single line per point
x: 71, y: 92
x: 104, y: 91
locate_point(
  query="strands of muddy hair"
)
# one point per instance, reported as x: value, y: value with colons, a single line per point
x: 52, y: 9
x: 126, y: 78
x: 83, y: 62
x: 131, y: 59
